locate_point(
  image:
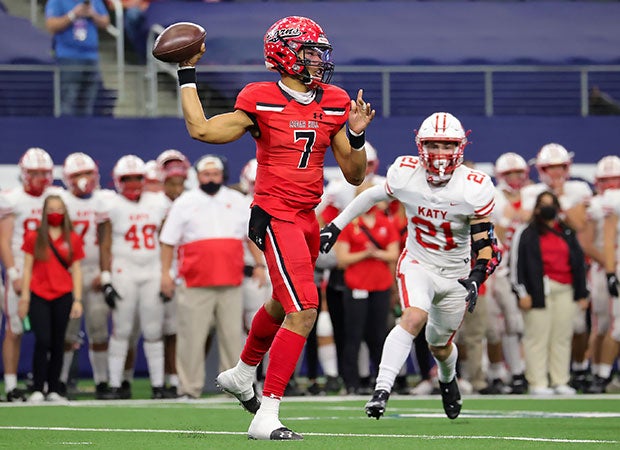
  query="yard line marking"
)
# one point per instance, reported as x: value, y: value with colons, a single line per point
x: 361, y: 435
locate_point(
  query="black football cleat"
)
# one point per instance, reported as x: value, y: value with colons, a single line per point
x: 16, y: 395
x: 451, y: 398
x: 375, y: 407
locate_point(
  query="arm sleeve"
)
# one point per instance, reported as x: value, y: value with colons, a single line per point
x: 361, y: 204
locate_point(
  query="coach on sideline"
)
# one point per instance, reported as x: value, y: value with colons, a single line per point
x: 208, y: 225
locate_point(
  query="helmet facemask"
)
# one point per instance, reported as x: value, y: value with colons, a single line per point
x: 316, y: 55
x: 439, y: 163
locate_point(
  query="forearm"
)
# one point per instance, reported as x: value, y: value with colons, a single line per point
x: 76, y: 275
x: 55, y: 25
x: 360, y: 205
x: 609, y: 243
x: 166, y: 256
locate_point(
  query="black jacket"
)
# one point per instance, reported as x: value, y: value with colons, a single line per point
x: 527, y: 267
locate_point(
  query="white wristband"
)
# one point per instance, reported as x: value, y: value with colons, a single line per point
x: 189, y: 85
x: 12, y: 273
x: 71, y: 16
x: 105, y: 277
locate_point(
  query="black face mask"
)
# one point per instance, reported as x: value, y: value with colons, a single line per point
x: 548, y: 212
x: 211, y: 188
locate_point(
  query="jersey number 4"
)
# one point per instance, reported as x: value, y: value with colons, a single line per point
x: 144, y: 238
x: 425, y: 228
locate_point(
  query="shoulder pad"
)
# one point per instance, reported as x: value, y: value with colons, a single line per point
x: 401, y: 171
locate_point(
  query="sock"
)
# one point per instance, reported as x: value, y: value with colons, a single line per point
x: 285, y: 351
x: 10, y: 382
x: 67, y: 360
x: 154, y: 353
x: 262, y: 333
x: 512, y: 354
x: 328, y: 359
x: 396, y: 350
x: 363, y: 361
x: 595, y: 368
x: 270, y: 407
x: 496, y: 371
x: 172, y: 379
x: 579, y: 366
x: 117, y: 352
x: 447, y: 368
x: 604, y: 371
x: 99, y: 363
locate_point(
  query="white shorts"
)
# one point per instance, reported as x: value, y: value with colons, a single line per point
x: 442, y: 298
x: 504, y: 316
x: 9, y: 308
x: 600, y: 299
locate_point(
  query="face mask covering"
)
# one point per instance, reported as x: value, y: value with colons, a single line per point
x: 55, y: 219
x: 210, y: 188
x: 548, y: 212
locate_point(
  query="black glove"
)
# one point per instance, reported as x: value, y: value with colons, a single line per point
x: 472, y: 292
x: 612, y: 284
x: 110, y: 295
x: 329, y: 234
x: 164, y: 298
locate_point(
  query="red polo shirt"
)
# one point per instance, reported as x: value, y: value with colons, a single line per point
x: 555, y: 257
x: 370, y: 274
x: 50, y: 279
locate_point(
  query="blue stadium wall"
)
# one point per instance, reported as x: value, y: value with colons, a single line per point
x: 107, y: 139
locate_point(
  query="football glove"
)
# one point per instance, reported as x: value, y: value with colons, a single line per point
x: 164, y: 298
x: 472, y: 292
x: 612, y: 284
x: 110, y: 295
x: 329, y: 235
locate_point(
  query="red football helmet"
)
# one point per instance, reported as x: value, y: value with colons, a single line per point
x: 36, y: 167
x: 129, y: 165
x: 607, y: 174
x: 80, y: 174
x: 295, y: 43
x: 441, y: 127
x: 511, y: 171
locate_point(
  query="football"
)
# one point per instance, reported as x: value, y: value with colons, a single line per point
x: 179, y: 42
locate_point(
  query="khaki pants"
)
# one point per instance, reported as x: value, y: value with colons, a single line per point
x: 198, y: 310
x: 472, y: 335
x: 547, y: 338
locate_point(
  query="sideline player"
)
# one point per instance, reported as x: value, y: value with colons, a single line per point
x: 128, y: 229
x: 81, y: 179
x: 20, y: 211
x: 448, y: 206
x: 293, y: 122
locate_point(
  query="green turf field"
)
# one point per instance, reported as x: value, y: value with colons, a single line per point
x: 332, y: 422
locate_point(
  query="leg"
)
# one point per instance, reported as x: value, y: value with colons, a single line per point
x: 41, y: 323
x: 355, y: 311
x: 562, y: 313
x: 11, y: 344
x: 60, y: 310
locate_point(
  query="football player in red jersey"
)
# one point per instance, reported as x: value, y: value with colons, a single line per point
x: 293, y: 122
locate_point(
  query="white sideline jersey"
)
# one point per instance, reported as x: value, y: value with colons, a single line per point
x: 27, y: 211
x: 135, y: 227
x: 611, y: 205
x: 82, y: 212
x: 575, y: 193
x: 339, y: 193
x: 439, y: 217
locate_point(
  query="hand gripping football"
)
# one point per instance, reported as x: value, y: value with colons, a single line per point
x: 179, y: 42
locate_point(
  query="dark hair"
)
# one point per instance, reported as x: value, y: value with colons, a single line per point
x: 539, y: 222
x: 41, y: 246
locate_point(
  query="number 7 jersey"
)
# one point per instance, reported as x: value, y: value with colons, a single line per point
x: 439, y: 217
x: 291, y: 141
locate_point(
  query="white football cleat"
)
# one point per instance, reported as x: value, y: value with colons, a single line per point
x: 269, y: 428
x: 36, y: 397
x: 227, y: 382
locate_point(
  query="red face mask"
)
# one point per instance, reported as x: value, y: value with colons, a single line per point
x: 55, y: 219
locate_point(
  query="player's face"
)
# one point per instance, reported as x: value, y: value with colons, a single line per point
x: 516, y: 179
x: 82, y: 182
x: 556, y: 174
x: 39, y: 178
x: 313, y: 58
x: 602, y: 184
x: 174, y: 186
x: 440, y: 148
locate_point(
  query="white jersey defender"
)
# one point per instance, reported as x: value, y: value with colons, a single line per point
x: 438, y: 218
